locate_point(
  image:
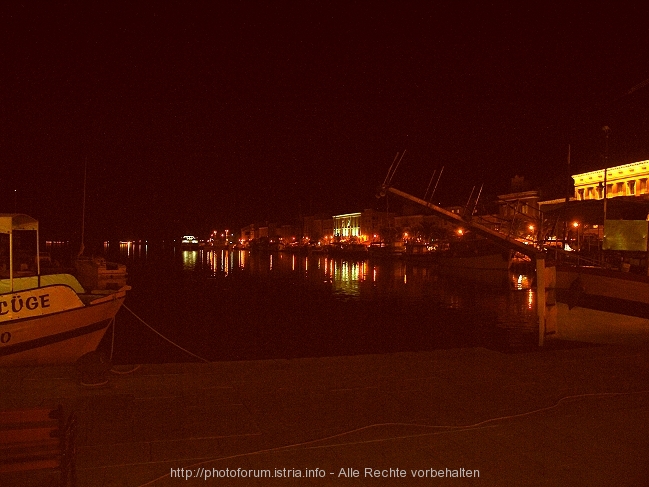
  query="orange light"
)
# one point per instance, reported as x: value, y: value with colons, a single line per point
x: 575, y: 224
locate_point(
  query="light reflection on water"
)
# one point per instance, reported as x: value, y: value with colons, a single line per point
x: 496, y: 313
x: 189, y: 259
x: 354, y: 279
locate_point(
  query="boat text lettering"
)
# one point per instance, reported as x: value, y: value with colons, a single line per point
x: 5, y: 337
x: 31, y: 303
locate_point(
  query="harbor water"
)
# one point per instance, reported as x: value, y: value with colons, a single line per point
x: 224, y: 305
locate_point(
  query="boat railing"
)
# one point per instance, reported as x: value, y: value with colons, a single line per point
x: 578, y: 259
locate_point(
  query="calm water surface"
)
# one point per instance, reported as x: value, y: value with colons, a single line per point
x: 234, y: 305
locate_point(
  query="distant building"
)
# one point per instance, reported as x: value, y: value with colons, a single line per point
x: 287, y: 233
x: 366, y: 226
x: 525, y: 203
x: 249, y: 232
x: 347, y: 225
x: 373, y: 222
x: 626, y: 180
x: 519, y: 213
x: 423, y: 225
x: 317, y: 227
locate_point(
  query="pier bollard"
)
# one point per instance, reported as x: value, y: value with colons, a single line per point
x: 540, y: 296
x: 550, y: 300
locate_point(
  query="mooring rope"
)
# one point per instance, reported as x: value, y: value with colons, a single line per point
x: 162, y: 336
x: 112, y: 339
x: 434, y: 430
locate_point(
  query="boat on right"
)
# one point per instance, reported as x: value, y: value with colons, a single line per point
x: 600, y: 305
x: 599, y: 249
x: 593, y: 245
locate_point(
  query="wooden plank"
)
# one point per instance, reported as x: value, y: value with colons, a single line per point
x: 29, y: 449
x: 29, y: 466
x: 27, y: 435
x: 31, y: 439
x: 22, y: 416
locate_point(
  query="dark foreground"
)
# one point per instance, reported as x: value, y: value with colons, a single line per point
x: 564, y: 415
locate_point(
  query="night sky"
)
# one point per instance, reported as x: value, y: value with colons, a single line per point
x: 198, y: 115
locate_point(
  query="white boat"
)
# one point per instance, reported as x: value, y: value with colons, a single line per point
x: 189, y: 242
x: 601, y: 305
x: 48, y: 319
x: 96, y: 273
x: 611, y: 290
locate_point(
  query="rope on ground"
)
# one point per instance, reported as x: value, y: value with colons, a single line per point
x: 312, y: 444
x: 112, y: 340
x: 164, y: 337
x: 112, y: 349
x: 125, y: 372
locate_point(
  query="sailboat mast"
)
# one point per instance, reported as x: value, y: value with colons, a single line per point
x: 83, y: 212
x: 606, y: 130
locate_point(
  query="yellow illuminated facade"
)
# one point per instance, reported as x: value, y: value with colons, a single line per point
x: 348, y: 225
x: 626, y: 180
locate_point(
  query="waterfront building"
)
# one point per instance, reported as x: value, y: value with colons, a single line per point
x: 316, y: 227
x: 249, y: 232
x: 423, y: 227
x: 374, y: 223
x: 365, y: 226
x: 287, y: 233
x: 519, y: 204
x: 625, y: 180
x: 347, y: 225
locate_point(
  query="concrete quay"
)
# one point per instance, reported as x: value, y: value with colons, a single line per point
x: 573, y: 413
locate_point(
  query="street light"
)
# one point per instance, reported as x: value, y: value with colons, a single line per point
x: 576, y: 227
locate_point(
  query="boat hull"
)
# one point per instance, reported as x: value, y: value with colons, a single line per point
x: 601, y: 306
x: 589, y: 325
x: 601, y: 282
x: 58, y: 338
x: 491, y: 269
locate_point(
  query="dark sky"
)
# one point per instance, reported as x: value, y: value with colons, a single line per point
x: 199, y: 115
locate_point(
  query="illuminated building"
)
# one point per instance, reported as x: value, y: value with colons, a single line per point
x: 362, y: 225
x: 347, y: 225
x: 626, y: 180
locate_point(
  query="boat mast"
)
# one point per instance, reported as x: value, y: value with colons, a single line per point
x: 83, y: 212
x: 11, y: 255
x: 606, y: 130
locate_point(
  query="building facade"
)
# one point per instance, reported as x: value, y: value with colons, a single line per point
x: 626, y: 180
x: 365, y: 226
x: 347, y: 225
